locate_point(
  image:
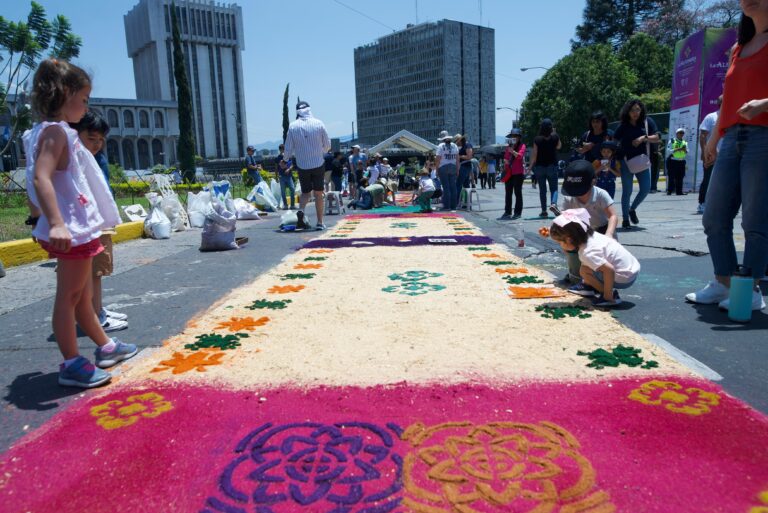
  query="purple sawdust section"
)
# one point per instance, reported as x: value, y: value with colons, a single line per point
x: 406, y: 215
x: 366, y: 242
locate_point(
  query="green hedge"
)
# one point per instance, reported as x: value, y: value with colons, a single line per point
x: 122, y: 189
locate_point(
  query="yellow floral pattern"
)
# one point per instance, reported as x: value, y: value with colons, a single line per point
x: 461, y: 467
x: 117, y: 414
x: 762, y: 497
x: 675, y: 398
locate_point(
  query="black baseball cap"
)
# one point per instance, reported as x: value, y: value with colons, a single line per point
x: 302, y: 105
x: 578, y: 178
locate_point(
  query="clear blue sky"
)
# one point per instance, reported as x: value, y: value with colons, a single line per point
x: 310, y: 44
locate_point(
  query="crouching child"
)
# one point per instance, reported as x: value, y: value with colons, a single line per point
x: 606, y: 265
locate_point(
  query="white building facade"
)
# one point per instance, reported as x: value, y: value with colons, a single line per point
x: 212, y: 38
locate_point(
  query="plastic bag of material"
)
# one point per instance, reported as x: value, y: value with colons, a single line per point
x: 274, y: 188
x: 172, y: 209
x: 289, y: 218
x: 222, y: 191
x: 219, y: 229
x: 157, y: 225
x: 262, y: 196
x: 245, y: 210
x: 197, y: 205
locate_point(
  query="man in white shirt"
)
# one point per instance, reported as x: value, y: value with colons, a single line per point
x: 706, y: 129
x: 307, y: 142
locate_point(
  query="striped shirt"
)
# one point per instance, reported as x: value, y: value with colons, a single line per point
x: 308, y: 141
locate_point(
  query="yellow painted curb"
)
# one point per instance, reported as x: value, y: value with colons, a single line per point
x: 18, y: 252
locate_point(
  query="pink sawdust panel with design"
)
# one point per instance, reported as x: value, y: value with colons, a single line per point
x: 650, y: 445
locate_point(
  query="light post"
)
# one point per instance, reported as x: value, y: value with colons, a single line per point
x: 534, y: 67
x: 516, y: 111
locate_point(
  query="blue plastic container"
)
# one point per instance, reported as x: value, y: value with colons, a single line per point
x: 740, y: 296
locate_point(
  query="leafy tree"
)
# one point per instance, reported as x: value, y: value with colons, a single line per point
x: 22, y: 45
x: 588, y: 79
x: 185, y: 147
x: 678, y: 19
x: 651, y: 62
x: 286, y: 122
x: 657, y: 100
x: 612, y: 21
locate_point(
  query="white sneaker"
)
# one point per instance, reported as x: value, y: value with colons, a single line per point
x: 111, y: 324
x: 758, y: 303
x: 114, y: 315
x: 713, y: 293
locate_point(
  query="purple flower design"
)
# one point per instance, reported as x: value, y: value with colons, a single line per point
x: 334, y: 468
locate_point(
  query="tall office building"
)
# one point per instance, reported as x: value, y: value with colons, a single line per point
x: 212, y: 37
x: 426, y: 78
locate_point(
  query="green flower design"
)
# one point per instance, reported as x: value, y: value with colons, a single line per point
x: 413, y: 283
x: 405, y: 226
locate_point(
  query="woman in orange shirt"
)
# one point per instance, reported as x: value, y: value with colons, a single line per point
x: 740, y: 176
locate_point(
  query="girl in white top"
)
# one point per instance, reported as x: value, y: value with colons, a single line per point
x: 605, y: 264
x: 68, y: 187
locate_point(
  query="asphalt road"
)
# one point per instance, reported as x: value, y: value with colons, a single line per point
x: 163, y: 284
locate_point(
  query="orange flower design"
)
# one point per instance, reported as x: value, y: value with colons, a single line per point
x: 460, y: 467
x: 116, y: 414
x: 308, y: 266
x: 285, y: 289
x: 486, y: 255
x: 512, y: 270
x: 534, y: 292
x: 321, y: 251
x: 244, y: 323
x: 544, y: 231
x: 690, y: 401
x: 181, y: 363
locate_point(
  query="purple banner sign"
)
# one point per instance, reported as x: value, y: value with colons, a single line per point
x: 687, y: 71
x: 717, y: 51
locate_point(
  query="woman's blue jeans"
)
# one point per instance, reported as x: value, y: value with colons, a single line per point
x: 447, y: 176
x: 627, y: 184
x: 739, y: 179
x: 546, y: 175
x: 286, y: 181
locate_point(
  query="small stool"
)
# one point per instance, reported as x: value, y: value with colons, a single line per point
x: 468, y: 201
x: 333, y: 204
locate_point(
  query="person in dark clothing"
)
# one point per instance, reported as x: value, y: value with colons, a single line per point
x: 544, y: 163
x: 596, y: 134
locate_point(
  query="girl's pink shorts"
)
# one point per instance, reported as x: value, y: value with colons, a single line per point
x: 83, y: 251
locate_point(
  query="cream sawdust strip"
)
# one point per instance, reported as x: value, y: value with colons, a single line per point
x: 353, y: 324
x: 401, y: 227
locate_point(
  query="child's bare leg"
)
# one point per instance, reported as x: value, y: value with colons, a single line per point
x: 96, y: 287
x: 86, y: 316
x: 589, y: 278
x: 71, y: 279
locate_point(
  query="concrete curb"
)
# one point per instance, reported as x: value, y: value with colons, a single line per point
x: 25, y: 251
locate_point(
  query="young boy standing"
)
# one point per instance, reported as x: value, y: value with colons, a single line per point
x: 93, y: 130
x: 579, y: 192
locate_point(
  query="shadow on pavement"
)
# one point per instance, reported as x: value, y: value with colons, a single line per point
x: 38, y: 391
x: 711, y: 314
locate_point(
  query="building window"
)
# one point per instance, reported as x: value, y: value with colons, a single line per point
x: 129, y: 161
x: 143, y: 119
x: 128, y: 119
x: 159, y: 123
x: 157, y: 151
x: 113, y: 151
x: 112, y: 119
x: 143, y: 148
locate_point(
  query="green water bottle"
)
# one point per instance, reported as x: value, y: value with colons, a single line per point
x: 740, y: 295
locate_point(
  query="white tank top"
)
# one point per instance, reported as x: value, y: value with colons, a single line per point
x: 84, y: 199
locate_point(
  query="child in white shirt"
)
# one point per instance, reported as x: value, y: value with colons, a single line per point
x: 605, y: 264
x: 423, y: 196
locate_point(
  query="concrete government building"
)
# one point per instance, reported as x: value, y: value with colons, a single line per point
x: 429, y: 77
x: 212, y: 37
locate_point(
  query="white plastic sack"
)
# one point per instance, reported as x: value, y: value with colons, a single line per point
x: 197, y: 205
x: 262, y: 196
x: 289, y: 218
x: 218, y: 229
x: 172, y: 209
x: 274, y: 188
x: 135, y: 212
x: 245, y: 210
x: 222, y: 191
x: 157, y: 225
x: 298, y: 187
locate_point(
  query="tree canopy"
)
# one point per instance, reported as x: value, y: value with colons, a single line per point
x: 590, y: 78
x: 651, y: 62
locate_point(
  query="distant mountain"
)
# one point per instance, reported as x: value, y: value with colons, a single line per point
x: 267, y: 145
